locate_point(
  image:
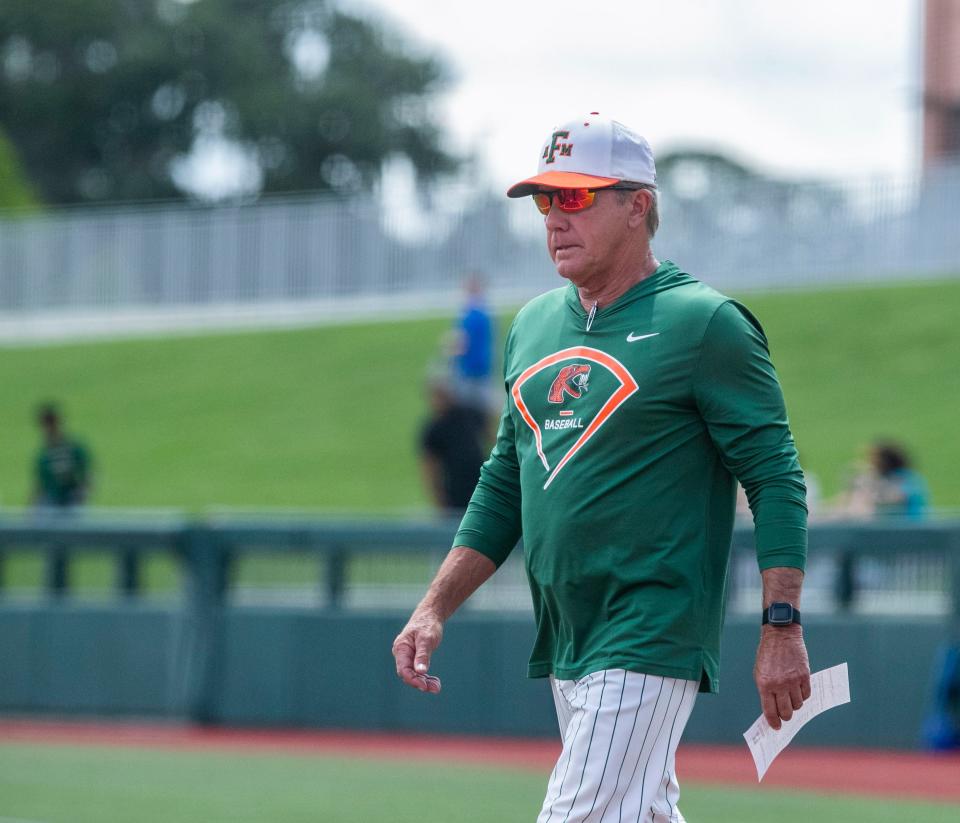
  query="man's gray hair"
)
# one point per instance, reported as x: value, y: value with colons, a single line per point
x: 653, y: 216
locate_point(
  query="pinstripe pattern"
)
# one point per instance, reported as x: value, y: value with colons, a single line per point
x: 563, y: 708
x: 586, y: 759
x: 636, y: 717
x: 646, y: 765
x: 563, y: 718
x: 568, y: 749
x: 651, y: 716
x: 634, y: 728
x: 613, y: 734
x: 667, y: 777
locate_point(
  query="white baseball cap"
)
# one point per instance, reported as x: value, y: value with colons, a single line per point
x: 591, y: 152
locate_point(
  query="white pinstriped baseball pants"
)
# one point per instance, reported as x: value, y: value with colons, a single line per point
x: 620, y: 733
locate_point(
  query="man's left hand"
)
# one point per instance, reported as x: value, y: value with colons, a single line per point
x: 782, y: 672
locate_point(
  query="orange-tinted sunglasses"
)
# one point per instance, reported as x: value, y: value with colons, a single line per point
x: 571, y: 200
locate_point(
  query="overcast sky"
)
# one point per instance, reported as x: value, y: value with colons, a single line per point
x: 822, y: 88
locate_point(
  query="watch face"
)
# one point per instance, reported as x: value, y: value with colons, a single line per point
x: 780, y: 614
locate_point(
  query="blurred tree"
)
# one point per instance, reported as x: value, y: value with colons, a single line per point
x: 692, y: 174
x: 15, y: 191
x: 133, y: 99
x: 706, y: 188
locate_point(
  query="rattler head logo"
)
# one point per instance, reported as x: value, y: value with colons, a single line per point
x: 571, y: 380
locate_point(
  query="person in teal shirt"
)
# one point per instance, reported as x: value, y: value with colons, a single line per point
x: 886, y: 485
x: 902, y: 491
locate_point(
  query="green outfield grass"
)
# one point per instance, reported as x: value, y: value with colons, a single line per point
x: 66, y: 784
x: 327, y: 418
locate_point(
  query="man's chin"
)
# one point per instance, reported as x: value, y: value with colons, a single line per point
x: 567, y: 270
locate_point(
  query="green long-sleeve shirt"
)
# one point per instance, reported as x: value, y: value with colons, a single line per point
x: 617, y: 457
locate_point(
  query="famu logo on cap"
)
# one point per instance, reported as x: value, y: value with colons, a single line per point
x: 555, y: 147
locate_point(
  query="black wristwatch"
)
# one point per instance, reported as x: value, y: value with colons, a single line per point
x: 781, y: 614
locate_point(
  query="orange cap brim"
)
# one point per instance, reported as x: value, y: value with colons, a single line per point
x: 559, y: 180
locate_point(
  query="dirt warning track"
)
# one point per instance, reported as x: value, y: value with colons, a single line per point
x: 847, y: 771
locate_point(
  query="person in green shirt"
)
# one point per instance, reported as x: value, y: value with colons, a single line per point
x: 637, y: 397
x: 62, y: 466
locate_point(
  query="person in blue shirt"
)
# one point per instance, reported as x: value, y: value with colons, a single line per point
x: 473, y: 352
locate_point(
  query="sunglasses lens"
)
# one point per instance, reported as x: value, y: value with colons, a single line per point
x: 542, y: 201
x: 571, y: 200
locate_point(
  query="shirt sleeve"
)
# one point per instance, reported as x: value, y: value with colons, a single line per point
x: 739, y: 397
x: 492, y: 522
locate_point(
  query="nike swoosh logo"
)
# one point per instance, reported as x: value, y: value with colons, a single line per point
x: 633, y: 338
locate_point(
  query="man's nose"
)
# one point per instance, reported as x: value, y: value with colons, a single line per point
x: 555, y: 219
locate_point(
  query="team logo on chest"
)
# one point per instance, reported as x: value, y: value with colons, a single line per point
x: 568, y: 411
x: 572, y: 380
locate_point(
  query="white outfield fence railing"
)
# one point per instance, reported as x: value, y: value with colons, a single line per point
x: 293, y: 259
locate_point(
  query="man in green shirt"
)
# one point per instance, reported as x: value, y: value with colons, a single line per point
x: 636, y: 398
x: 62, y: 467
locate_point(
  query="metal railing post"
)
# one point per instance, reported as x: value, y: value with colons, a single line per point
x: 128, y: 572
x: 845, y: 583
x: 207, y: 562
x: 336, y: 581
x: 57, y: 571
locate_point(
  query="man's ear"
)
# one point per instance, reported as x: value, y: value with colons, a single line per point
x: 641, y: 202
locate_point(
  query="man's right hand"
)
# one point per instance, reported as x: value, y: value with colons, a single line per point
x: 413, y: 648
x: 461, y: 572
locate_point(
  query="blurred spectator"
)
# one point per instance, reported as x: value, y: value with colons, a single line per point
x: 451, y: 447
x: 473, y: 349
x: 941, y: 728
x: 886, y: 485
x: 62, y: 467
